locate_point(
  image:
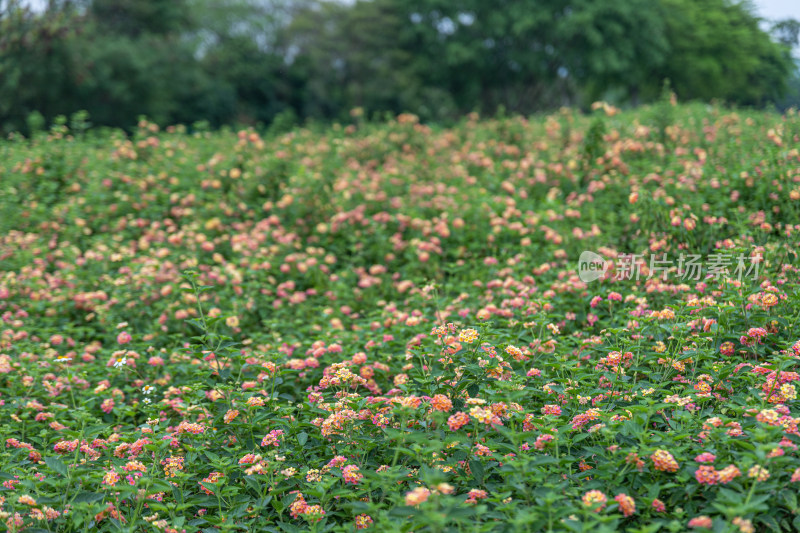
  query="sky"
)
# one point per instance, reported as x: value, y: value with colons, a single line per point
x: 768, y: 9
x: 778, y: 9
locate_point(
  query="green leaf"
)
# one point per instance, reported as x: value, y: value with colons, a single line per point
x: 770, y: 521
x: 477, y: 470
x: 302, y: 438
x: 57, y: 465
x: 251, y: 482
x: 88, y: 497
x: 790, y: 498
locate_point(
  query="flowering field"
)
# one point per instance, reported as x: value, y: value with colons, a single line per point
x: 392, y: 326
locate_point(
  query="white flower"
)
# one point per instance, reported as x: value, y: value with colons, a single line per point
x: 63, y: 359
x: 146, y: 400
x: 120, y: 361
x: 147, y: 389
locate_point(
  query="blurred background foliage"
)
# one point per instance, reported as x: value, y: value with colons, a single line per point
x: 282, y: 61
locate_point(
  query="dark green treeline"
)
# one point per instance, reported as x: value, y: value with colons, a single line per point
x: 268, y: 61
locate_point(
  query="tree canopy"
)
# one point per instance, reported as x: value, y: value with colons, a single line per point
x: 249, y: 61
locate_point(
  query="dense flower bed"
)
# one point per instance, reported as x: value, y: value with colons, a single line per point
x: 388, y: 326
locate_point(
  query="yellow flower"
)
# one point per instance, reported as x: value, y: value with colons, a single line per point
x: 467, y: 335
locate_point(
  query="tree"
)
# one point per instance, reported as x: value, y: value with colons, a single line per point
x: 610, y: 45
x: 239, y: 49
x: 250, y: 60
x: 528, y: 55
x: 136, y: 17
x: 787, y: 32
x: 39, y: 64
x: 348, y: 56
x: 485, y: 55
x: 718, y: 50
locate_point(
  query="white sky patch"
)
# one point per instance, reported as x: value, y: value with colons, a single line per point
x: 778, y: 9
x: 768, y: 9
